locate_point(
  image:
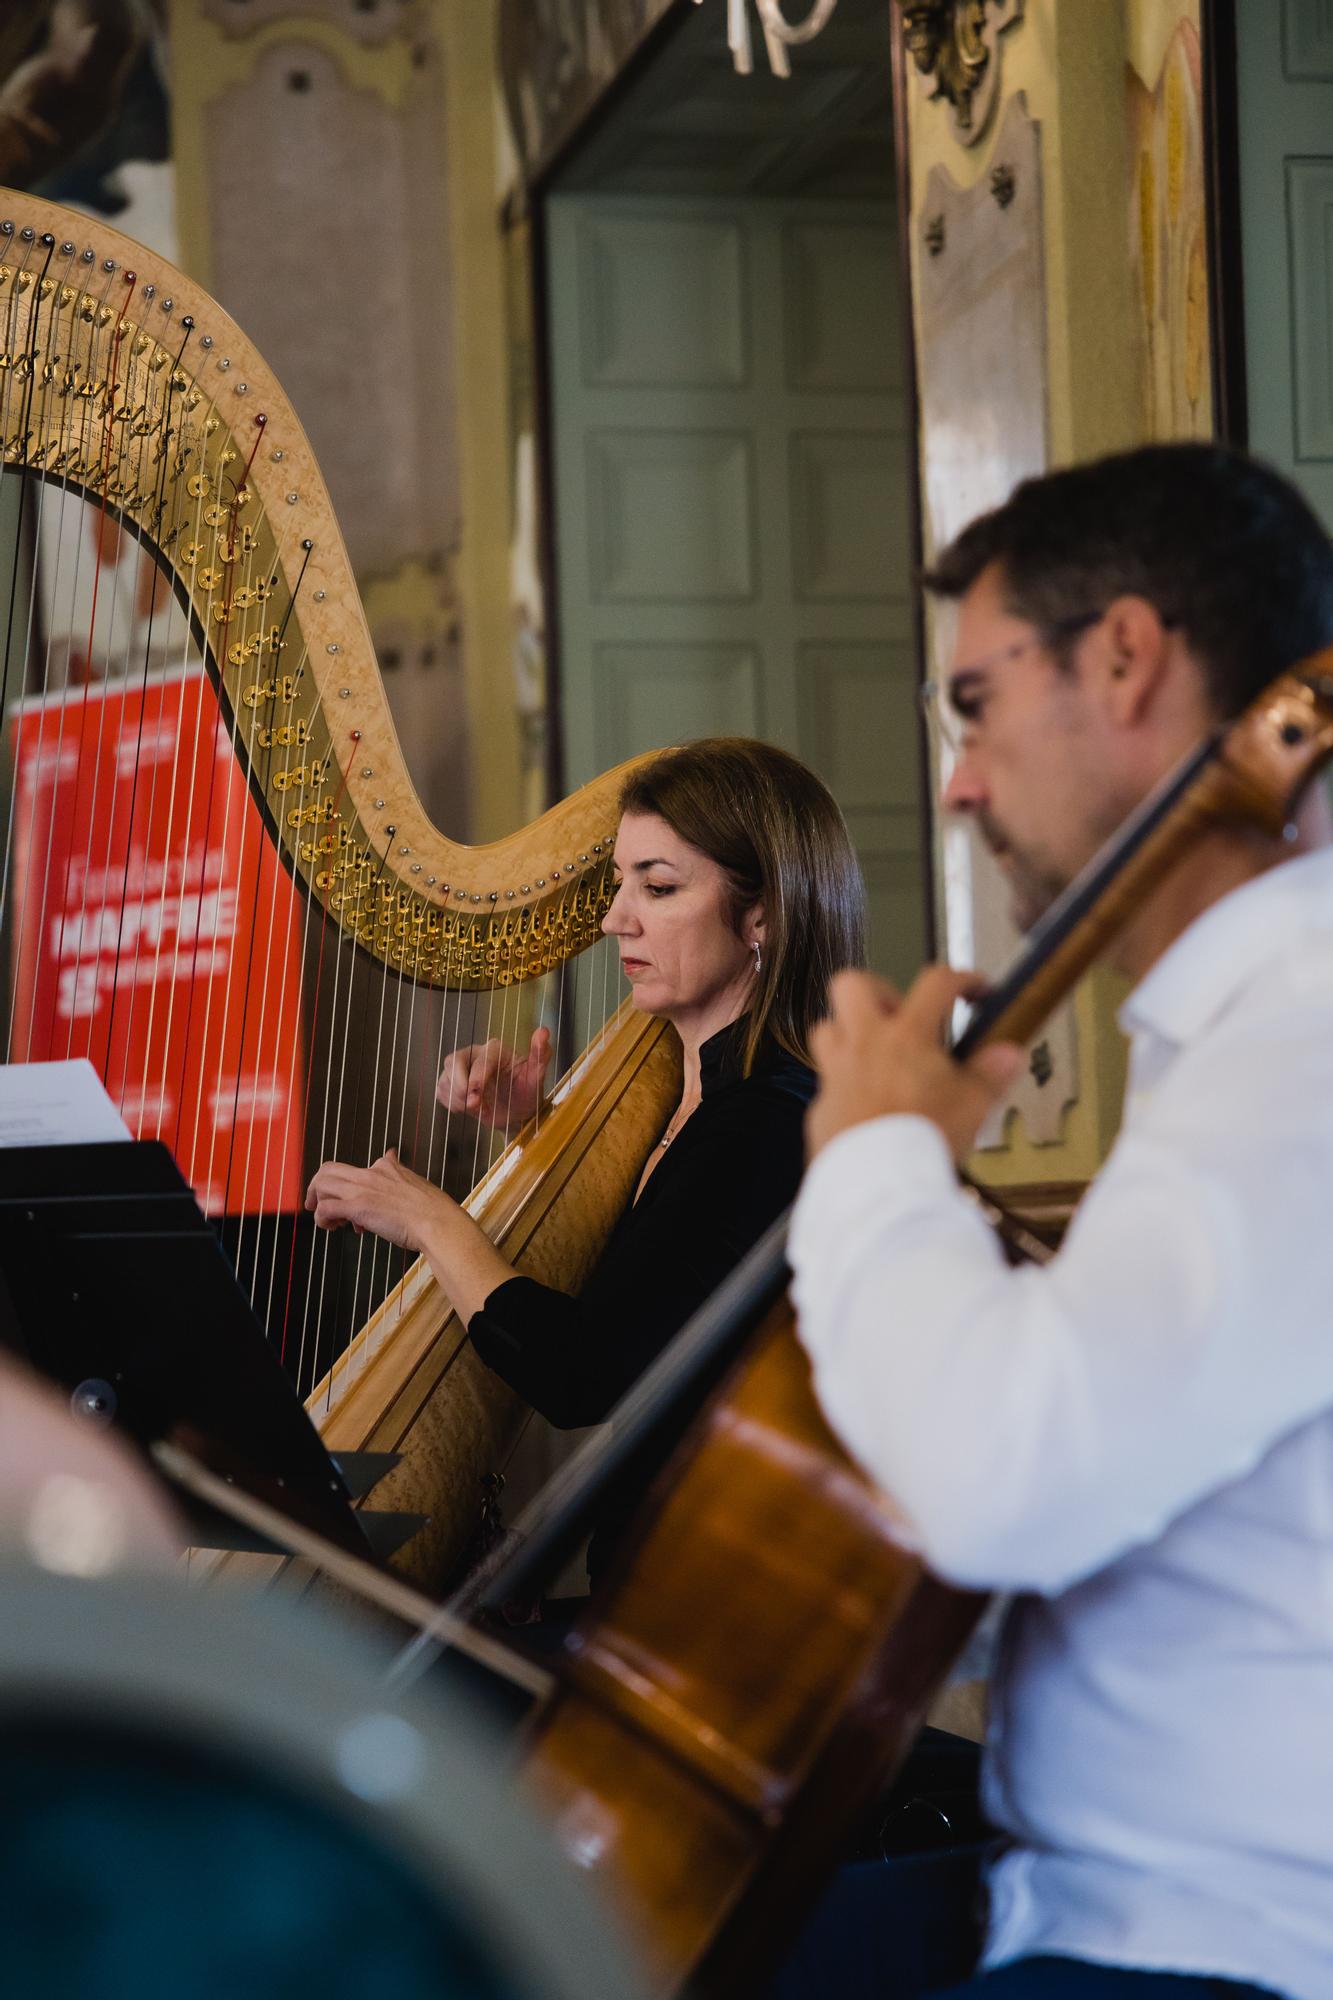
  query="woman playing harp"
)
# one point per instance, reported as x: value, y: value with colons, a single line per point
x: 737, y: 898
x: 223, y: 887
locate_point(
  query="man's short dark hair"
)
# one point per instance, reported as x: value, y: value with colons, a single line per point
x: 1223, y: 546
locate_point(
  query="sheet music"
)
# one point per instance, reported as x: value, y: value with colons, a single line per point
x: 56, y: 1104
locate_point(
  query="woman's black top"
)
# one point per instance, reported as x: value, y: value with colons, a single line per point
x: 732, y: 1168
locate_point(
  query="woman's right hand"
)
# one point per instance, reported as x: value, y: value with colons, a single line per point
x: 494, y: 1083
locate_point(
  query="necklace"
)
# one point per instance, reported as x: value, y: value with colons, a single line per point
x: 673, y: 1128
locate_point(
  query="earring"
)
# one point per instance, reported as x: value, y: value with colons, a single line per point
x: 758, y: 959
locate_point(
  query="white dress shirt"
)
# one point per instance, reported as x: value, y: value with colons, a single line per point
x: 1139, y: 1441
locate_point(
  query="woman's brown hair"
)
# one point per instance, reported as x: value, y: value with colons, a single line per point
x: 775, y: 829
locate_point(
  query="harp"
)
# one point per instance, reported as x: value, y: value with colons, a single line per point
x: 220, y: 885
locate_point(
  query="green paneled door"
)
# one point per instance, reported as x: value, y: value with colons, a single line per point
x: 731, y: 514
x: 1285, y: 86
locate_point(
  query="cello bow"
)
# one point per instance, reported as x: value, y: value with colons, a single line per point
x: 767, y: 1648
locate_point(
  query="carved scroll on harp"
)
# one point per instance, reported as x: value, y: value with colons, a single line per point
x: 128, y: 397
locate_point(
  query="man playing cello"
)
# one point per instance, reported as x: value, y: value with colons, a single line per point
x: 1136, y: 1442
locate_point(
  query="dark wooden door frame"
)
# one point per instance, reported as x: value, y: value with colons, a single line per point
x: 902, y: 156
x: 1226, y: 297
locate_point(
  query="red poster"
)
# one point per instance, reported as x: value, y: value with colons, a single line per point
x: 154, y: 931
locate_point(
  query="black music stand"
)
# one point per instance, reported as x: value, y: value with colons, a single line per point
x: 114, y: 1285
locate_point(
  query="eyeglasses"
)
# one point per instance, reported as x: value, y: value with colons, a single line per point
x: 944, y: 721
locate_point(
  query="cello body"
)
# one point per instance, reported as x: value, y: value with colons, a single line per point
x: 761, y: 1663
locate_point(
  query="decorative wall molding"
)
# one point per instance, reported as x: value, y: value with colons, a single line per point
x: 956, y: 43
x: 389, y: 66
x: 370, y: 27
x: 980, y: 278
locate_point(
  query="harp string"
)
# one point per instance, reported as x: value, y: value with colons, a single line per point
x: 377, y: 1070
x: 418, y: 1041
x: 255, y: 985
x: 95, y: 942
x: 207, y: 852
x: 359, y: 1127
x: 232, y: 793
x: 61, y: 910
x: 402, y: 1062
x: 107, y: 442
x: 368, y: 1004
x: 41, y: 759
x: 326, y: 947
x: 175, y: 804
x: 476, y: 1142
x: 180, y: 831
x: 288, y: 957
x: 314, y: 945
x: 407, y: 1070
x: 127, y: 546
x: 410, y: 1069
x: 509, y: 1042
x: 321, y: 955
x: 51, y: 707
x: 245, y: 760
x: 446, y: 1011
x: 25, y: 397
x: 131, y: 568
x: 29, y: 649
x: 328, y: 1147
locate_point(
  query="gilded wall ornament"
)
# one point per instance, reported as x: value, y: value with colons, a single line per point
x: 956, y: 42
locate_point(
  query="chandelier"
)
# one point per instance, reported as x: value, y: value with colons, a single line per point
x: 780, y: 34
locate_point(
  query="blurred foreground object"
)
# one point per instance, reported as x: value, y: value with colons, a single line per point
x: 74, y: 1498
x: 218, y: 1799
x: 57, y: 95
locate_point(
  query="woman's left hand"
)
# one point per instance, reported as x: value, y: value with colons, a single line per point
x: 388, y: 1199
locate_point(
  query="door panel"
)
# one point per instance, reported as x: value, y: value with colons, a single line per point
x: 670, y: 516
x: 628, y: 273
x: 829, y: 267
x: 847, y: 502
x: 646, y: 694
